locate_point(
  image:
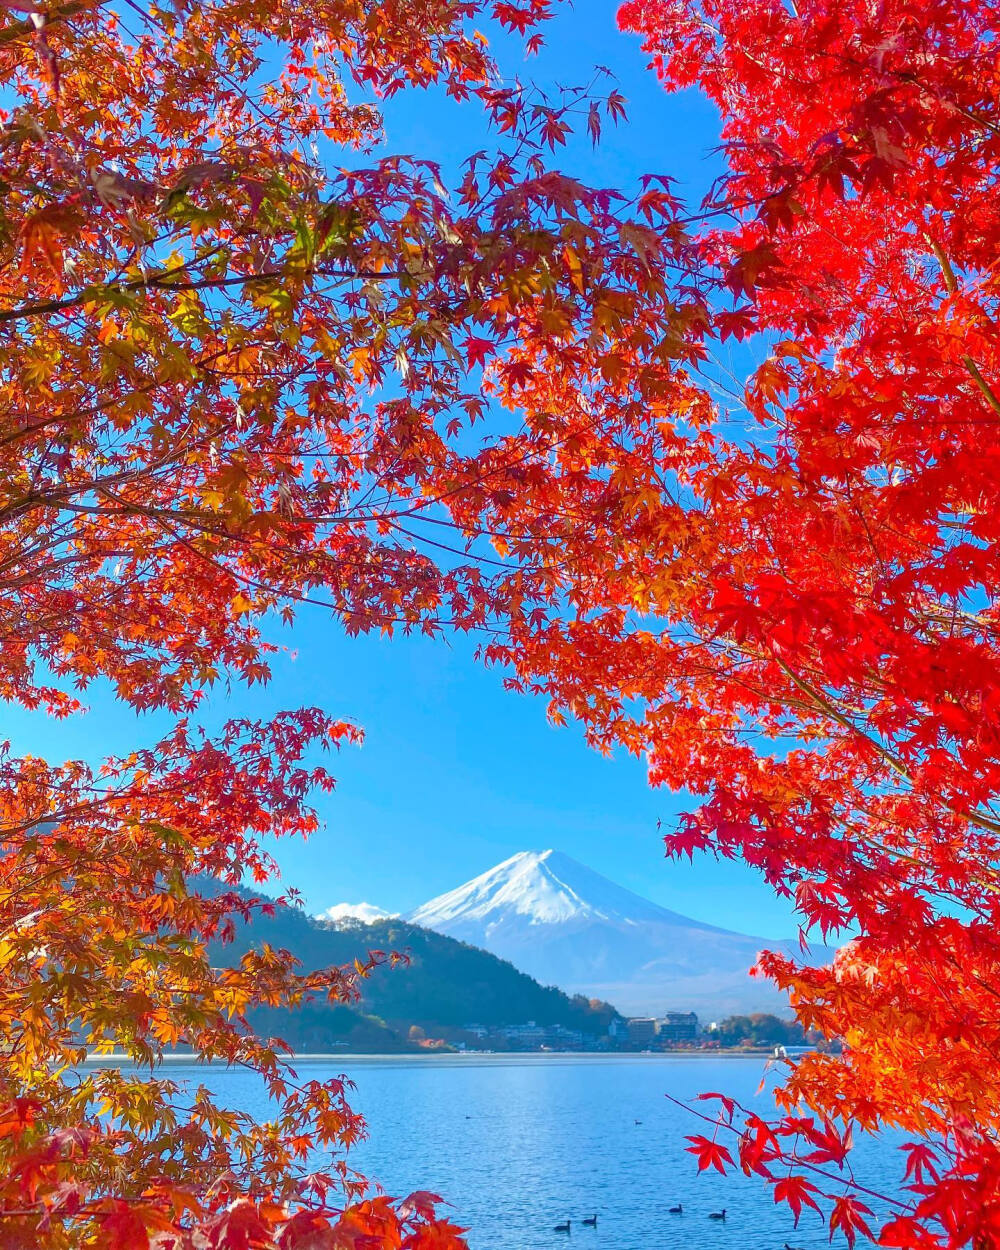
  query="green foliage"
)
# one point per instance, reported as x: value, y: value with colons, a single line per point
x: 444, y: 986
x: 319, y: 1027
x: 759, y: 1029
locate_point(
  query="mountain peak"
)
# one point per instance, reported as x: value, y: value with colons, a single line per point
x: 528, y: 885
x: 539, y: 888
x: 567, y: 925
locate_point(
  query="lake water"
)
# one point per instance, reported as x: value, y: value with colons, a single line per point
x: 519, y: 1143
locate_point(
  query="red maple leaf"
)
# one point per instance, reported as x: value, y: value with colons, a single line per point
x: 710, y: 1154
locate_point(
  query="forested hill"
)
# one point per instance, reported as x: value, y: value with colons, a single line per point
x: 446, y: 985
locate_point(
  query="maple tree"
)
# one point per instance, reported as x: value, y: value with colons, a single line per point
x: 246, y: 365
x: 796, y: 615
x: 237, y: 378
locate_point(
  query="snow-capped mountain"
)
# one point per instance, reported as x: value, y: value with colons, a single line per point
x: 567, y: 925
x: 367, y: 913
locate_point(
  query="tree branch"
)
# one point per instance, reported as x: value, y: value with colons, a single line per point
x: 19, y: 31
x: 158, y: 282
x: 952, y: 285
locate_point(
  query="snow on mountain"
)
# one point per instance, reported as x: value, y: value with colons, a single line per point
x: 567, y: 925
x: 367, y: 913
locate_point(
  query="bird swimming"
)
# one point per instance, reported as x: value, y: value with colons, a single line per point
x: 717, y: 1215
x: 677, y: 1210
x: 562, y: 1228
x: 592, y: 1221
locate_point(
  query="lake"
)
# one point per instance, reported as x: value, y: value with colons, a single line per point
x: 519, y: 1143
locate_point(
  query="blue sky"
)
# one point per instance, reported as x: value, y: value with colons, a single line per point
x: 457, y: 774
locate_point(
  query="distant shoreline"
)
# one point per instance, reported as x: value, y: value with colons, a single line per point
x: 459, y: 1056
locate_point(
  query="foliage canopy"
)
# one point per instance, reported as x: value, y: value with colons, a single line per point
x: 234, y: 379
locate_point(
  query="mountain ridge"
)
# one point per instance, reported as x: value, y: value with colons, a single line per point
x: 444, y: 985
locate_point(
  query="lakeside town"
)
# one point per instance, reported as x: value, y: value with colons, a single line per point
x: 673, y: 1031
